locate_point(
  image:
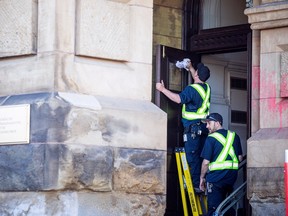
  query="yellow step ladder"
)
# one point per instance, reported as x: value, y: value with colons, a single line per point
x: 198, y: 202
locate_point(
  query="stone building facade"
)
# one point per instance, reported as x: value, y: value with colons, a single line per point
x: 266, y: 147
x: 97, y: 143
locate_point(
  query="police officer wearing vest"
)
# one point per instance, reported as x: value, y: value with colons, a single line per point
x: 221, y: 155
x: 195, y: 100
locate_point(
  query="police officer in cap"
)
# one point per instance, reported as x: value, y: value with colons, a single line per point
x: 195, y: 100
x: 222, y: 153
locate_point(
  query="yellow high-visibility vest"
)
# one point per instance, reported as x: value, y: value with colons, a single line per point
x: 202, y: 111
x: 221, y: 162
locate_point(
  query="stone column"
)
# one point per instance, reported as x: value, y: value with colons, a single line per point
x: 266, y: 147
x: 255, y: 112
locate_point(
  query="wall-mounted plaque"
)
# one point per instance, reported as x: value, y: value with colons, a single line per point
x: 14, y: 124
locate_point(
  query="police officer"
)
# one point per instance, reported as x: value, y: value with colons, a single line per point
x: 195, y: 100
x: 221, y: 155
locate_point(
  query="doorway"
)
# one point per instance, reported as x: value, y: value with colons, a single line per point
x: 224, y: 45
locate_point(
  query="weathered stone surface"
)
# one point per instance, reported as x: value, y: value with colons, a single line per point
x: 22, y: 167
x: 114, y: 30
x: 44, y: 204
x: 120, y: 204
x: 47, y: 117
x: 169, y: 3
x: 261, y: 207
x: 284, y: 75
x: 269, y: 145
x: 68, y: 203
x: 104, y: 38
x: 267, y: 16
x: 36, y: 75
x: 18, y: 36
x: 89, y: 120
x: 45, y: 167
x: 85, y: 167
x: 265, y: 183
x: 166, y: 41
x: 49, y: 167
x: 167, y: 21
x: 123, y: 40
x: 140, y: 171
x: 73, y: 139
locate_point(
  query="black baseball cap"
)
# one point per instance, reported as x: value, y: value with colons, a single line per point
x: 213, y: 117
x: 203, y: 72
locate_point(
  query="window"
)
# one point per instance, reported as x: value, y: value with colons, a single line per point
x: 239, y: 117
x: 238, y: 96
x: 238, y: 83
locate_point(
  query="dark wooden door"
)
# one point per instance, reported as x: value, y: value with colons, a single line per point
x: 175, y: 80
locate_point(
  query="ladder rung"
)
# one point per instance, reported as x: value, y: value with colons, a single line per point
x: 198, y: 202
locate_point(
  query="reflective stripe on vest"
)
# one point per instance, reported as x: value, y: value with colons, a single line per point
x: 200, y: 113
x: 221, y: 162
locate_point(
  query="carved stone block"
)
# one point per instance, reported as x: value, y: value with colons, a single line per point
x: 18, y: 20
x: 103, y: 29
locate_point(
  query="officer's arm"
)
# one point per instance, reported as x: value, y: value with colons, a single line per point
x: 191, y: 68
x: 239, y: 147
x: 204, y: 170
x: 171, y: 95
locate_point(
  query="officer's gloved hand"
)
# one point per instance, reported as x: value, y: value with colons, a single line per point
x: 183, y: 64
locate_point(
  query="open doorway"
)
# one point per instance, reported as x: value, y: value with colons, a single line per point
x: 216, y: 33
x: 229, y: 97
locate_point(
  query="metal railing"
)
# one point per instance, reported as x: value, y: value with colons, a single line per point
x: 232, y: 201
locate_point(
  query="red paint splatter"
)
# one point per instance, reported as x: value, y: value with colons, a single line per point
x: 268, y: 88
x: 284, y: 85
x: 278, y: 109
x: 283, y: 106
x: 255, y: 77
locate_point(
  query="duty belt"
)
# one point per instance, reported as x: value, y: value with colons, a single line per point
x: 189, y: 128
x: 193, y: 131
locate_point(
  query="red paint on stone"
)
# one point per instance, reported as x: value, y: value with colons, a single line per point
x: 272, y: 106
x: 283, y: 107
x: 255, y: 77
x: 277, y: 109
x: 267, y: 84
x: 284, y: 85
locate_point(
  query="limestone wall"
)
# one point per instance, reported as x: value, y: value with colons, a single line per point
x: 266, y: 147
x: 167, y: 23
x: 97, y: 143
x: 98, y: 47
